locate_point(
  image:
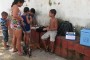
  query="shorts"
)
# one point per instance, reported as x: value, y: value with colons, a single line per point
x: 5, y: 35
x: 15, y: 24
x: 27, y: 31
x: 51, y: 34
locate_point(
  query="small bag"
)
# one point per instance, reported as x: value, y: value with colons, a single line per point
x: 40, y: 29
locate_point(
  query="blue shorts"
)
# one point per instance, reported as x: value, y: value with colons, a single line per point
x: 5, y: 35
x: 27, y: 30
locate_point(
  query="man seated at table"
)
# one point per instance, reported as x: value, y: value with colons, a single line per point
x: 51, y: 31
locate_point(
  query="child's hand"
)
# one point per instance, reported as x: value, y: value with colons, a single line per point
x: 30, y: 17
x: 22, y: 23
x: 44, y: 29
x: 48, y: 29
x: 7, y: 19
x: 21, y: 19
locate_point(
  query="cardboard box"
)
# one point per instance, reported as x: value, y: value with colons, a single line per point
x: 85, y: 37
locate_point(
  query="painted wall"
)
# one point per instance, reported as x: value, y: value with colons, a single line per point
x: 76, y: 11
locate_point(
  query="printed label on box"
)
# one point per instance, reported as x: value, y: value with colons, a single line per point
x: 70, y: 35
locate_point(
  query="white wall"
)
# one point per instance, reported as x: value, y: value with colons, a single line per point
x: 76, y: 11
x: 5, y: 5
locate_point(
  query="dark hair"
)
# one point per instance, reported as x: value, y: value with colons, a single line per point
x: 53, y: 11
x: 26, y: 9
x: 16, y: 1
x: 32, y: 10
x: 4, y: 13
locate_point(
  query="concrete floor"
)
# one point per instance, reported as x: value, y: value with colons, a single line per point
x: 36, y: 55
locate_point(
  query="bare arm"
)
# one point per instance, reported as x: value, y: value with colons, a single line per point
x: 15, y: 12
x: 54, y: 27
x: 34, y: 21
x: 7, y: 23
x: 29, y: 20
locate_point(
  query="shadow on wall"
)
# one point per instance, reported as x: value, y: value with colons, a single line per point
x: 88, y: 25
x: 78, y: 29
x: 59, y: 20
x: 38, y: 13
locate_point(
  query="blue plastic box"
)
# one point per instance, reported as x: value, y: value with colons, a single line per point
x: 85, y: 37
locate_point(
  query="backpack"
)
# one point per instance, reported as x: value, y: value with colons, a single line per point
x: 40, y: 29
x: 64, y: 26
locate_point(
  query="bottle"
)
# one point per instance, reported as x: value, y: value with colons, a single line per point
x: 74, y: 31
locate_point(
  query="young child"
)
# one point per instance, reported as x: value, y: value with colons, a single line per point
x: 32, y: 13
x: 51, y: 31
x: 26, y: 27
x: 4, y: 26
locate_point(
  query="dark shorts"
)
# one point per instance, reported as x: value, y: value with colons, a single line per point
x: 5, y: 35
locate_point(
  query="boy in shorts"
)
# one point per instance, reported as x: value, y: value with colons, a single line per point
x: 4, y: 26
x: 51, y: 31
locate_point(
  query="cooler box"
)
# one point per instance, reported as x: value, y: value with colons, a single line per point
x: 70, y: 35
x: 85, y: 37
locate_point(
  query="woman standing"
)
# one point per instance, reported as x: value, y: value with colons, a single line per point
x: 16, y: 25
